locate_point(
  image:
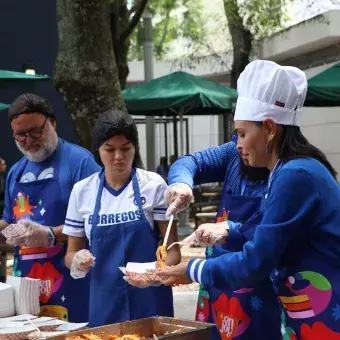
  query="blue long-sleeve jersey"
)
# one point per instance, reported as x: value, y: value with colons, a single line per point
x: 217, y: 164
x: 300, y: 210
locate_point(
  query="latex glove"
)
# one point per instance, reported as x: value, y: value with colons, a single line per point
x: 81, y: 264
x: 179, y: 197
x: 29, y: 234
x: 208, y: 234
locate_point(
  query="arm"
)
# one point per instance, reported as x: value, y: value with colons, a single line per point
x: 58, y: 234
x: 203, y: 167
x: 74, y: 223
x: 285, y: 219
x: 78, y: 259
x: 74, y: 244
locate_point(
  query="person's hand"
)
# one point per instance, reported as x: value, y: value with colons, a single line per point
x: 208, y: 234
x: 81, y: 264
x: 29, y: 234
x: 179, y: 197
x: 175, y: 275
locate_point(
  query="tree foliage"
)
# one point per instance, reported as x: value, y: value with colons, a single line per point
x: 263, y: 17
x: 245, y: 23
x: 85, y: 71
x: 173, y: 21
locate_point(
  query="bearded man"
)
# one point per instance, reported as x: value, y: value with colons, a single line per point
x: 38, y: 188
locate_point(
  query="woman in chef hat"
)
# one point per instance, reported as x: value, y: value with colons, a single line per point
x: 119, y: 211
x: 297, y: 242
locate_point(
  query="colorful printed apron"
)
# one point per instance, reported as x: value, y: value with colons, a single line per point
x: 112, y: 299
x: 60, y: 295
x: 244, y: 313
x: 308, y: 287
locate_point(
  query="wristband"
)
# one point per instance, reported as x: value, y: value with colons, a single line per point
x: 51, y: 237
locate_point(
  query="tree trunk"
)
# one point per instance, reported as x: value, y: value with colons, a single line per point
x: 119, y: 17
x: 85, y: 71
x: 122, y: 26
x: 121, y: 54
x: 241, y: 38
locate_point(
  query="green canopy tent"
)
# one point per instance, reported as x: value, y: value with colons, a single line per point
x: 324, y: 88
x: 8, y: 78
x: 13, y: 75
x: 179, y: 93
x: 3, y: 106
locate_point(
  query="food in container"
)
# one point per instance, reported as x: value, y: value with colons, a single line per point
x: 161, y: 254
x: 145, y: 329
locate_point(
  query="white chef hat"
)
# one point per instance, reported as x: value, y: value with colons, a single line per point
x: 268, y: 90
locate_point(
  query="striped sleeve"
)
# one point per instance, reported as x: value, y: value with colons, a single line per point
x: 285, y: 220
x: 74, y: 222
x: 194, y: 270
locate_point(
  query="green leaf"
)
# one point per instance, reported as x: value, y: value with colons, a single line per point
x: 173, y: 20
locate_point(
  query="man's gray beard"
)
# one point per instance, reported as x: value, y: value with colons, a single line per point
x: 46, y: 151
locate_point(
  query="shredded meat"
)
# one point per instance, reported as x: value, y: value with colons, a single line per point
x: 161, y: 254
x: 124, y: 337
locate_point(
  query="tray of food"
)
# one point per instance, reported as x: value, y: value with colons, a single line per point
x: 145, y: 329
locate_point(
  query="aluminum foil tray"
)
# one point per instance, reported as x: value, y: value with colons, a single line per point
x: 162, y: 327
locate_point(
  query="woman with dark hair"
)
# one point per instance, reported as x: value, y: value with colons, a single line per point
x: 297, y: 241
x: 116, y: 210
x: 239, y: 210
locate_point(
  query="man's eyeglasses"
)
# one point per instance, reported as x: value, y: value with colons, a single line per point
x: 34, y: 133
